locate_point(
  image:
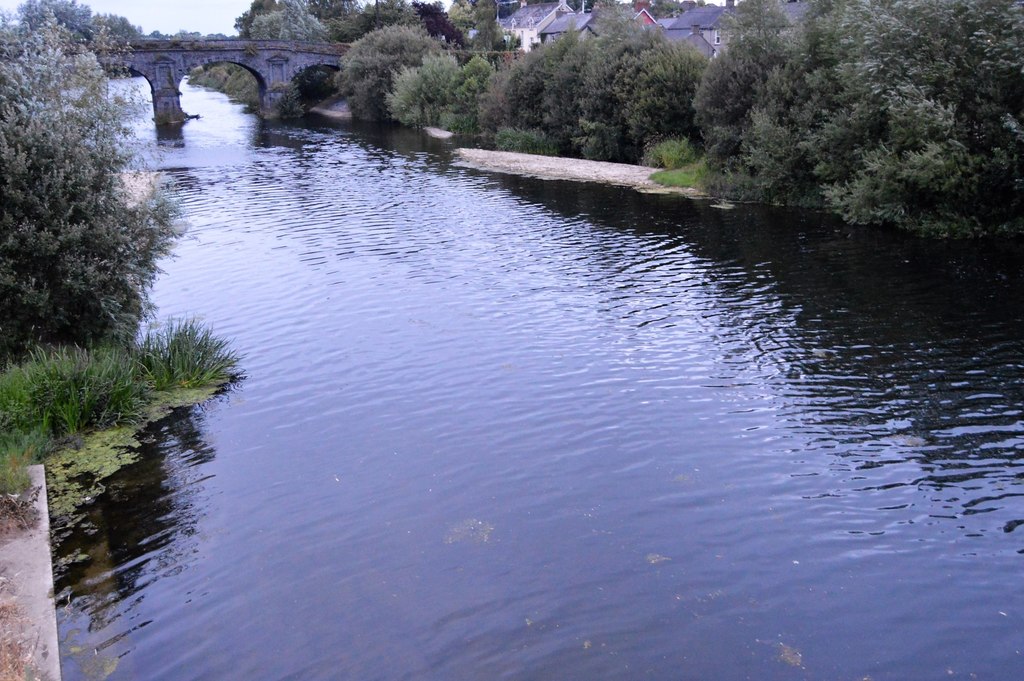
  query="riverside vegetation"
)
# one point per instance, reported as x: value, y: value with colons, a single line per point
x: 907, y: 114
x: 79, y: 248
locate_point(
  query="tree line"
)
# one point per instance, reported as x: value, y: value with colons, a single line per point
x: 905, y: 113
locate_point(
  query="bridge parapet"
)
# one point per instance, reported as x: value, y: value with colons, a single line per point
x: 273, y: 63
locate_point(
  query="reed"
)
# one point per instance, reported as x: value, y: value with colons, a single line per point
x: 185, y: 354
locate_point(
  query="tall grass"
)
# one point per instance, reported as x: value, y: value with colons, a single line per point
x: 60, y: 392
x: 184, y: 354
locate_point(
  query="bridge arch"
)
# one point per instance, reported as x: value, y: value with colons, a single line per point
x: 164, y: 63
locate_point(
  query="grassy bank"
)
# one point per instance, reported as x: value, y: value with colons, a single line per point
x: 55, y: 397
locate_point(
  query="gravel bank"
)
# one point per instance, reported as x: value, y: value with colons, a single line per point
x: 556, y: 168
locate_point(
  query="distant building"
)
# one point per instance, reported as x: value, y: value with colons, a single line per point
x: 526, y: 23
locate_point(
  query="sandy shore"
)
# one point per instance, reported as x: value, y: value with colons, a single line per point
x: 555, y: 168
x: 334, y: 107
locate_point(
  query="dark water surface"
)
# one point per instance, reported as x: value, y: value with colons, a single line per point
x: 501, y: 428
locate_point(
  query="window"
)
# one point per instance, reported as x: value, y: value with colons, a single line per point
x: 718, y: 37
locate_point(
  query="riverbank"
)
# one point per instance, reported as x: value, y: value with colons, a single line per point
x: 580, y: 170
x: 28, y: 624
x: 333, y: 107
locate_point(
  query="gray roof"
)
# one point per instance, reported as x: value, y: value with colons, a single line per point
x: 696, y: 41
x: 708, y: 17
x: 568, y: 22
x: 528, y: 16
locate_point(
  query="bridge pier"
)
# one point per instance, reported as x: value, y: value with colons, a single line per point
x: 167, y: 106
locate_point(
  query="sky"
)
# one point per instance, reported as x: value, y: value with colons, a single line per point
x: 205, y: 16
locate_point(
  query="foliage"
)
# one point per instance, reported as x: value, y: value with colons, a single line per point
x: 351, y: 26
x: 289, y: 105
x: 231, y: 79
x: 437, y: 24
x: 185, y: 354
x: 423, y: 93
x: 291, y: 21
x: 733, y: 81
x: 603, y: 98
x: 488, y: 33
x: 688, y: 177
x: 656, y: 89
x: 117, y: 27
x: 243, y: 24
x: 34, y: 15
x: 78, y: 250
x: 906, y: 114
x: 371, y: 65
x: 670, y: 154
x: 525, y: 142
x: 67, y: 391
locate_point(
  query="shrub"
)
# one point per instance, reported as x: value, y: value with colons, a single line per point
x: 184, y: 354
x: 290, y: 104
x: 369, y: 68
x: 422, y: 94
x: 525, y: 142
x: 78, y: 251
x: 670, y: 154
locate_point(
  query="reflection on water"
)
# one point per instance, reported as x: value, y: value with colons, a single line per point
x: 497, y: 427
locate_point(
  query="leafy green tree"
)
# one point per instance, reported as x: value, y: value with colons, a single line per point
x: 292, y: 21
x: 78, y: 249
x: 656, y: 89
x: 77, y: 19
x: 350, y: 27
x: 485, y: 21
x: 117, y: 27
x: 943, y: 84
x: 243, y: 24
x: 734, y: 81
x: 422, y: 94
x: 370, y: 67
x: 460, y: 12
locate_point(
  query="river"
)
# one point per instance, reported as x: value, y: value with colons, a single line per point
x: 501, y: 428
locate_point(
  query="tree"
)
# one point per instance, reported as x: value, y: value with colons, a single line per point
x: 78, y: 251
x: 243, y: 24
x: 735, y: 80
x: 369, y: 68
x: 117, y: 27
x: 348, y: 28
x: 422, y: 94
x: 77, y: 19
x: 485, y: 20
x: 291, y: 21
x: 437, y: 23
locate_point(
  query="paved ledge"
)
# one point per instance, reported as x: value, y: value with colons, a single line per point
x: 27, y: 573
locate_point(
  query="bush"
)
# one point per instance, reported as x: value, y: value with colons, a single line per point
x: 370, y: 67
x: 78, y: 251
x: 422, y: 94
x: 525, y: 142
x: 670, y: 154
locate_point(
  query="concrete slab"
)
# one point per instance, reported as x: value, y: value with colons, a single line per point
x: 27, y: 570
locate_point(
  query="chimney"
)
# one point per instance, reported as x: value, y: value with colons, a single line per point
x: 687, y: 5
x: 730, y: 4
x: 695, y: 29
x: 640, y: 5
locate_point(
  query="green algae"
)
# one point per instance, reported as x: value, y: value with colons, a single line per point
x: 75, y: 474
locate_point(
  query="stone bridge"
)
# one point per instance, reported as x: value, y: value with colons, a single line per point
x: 163, y: 63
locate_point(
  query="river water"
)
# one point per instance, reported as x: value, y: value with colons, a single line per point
x: 501, y: 428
